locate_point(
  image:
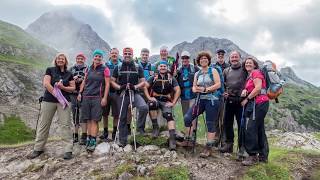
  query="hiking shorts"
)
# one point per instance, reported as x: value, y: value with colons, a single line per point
x: 90, y: 109
x: 112, y: 104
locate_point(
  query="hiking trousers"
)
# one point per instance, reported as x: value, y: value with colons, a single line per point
x: 255, y: 139
x: 211, y: 111
x: 143, y: 110
x: 186, y: 105
x: 233, y: 111
x: 48, y: 110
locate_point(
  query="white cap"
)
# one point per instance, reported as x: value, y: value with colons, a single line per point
x: 163, y: 48
x: 185, y: 53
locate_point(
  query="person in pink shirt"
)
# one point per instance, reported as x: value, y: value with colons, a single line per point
x: 256, y: 105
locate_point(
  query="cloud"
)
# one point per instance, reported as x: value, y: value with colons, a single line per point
x: 286, y: 31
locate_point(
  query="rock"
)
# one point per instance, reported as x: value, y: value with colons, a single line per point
x: 125, y: 176
x: 151, y: 148
x: 102, y: 159
x: 141, y: 170
x: 176, y: 163
x: 167, y: 154
x: 127, y: 148
x: 163, y: 150
x: 298, y: 140
x: 102, y: 148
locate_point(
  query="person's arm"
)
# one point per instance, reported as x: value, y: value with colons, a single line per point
x: 82, y: 86
x: 106, y: 90
x: 177, y: 93
x: 114, y: 79
x: 195, y: 87
x: 257, y: 88
x: 142, y: 80
x: 47, y: 83
x: 217, y: 82
x: 70, y: 88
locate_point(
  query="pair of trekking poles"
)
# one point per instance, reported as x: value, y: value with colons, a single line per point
x: 131, y: 100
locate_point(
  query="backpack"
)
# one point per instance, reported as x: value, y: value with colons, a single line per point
x: 274, y: 83
x: 219, y: 91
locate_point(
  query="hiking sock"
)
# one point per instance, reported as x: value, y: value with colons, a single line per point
x: 210, y: 143
x: 154, y: 123
x: 172, y: 132
x: 105, y: 130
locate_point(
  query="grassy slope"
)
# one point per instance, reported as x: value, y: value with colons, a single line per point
x: 14, y: 131
x: 302, y: 102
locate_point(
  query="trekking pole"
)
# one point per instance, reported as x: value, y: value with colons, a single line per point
x: 221, y: 124
x: 133, y: 120
x: 196, y: 125
x: 117, y: 132
x: 75, y: 120
x: 40, y: 101
x: 241, y: 138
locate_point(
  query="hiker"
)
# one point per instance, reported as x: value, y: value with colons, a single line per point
x: 129, y: 77
x: 78, y: 71
x: 205, y: 84
x: 220, y: 66
x: 164, y: 56
x: 234, y: 80
x: 145, y: 64
x: 112, y: 103
x: 220, y: 59
x: 256, y: 105
x: 185, y: 77
x: 59, y: 84
x: 94, y: 93
x: 161, y: 97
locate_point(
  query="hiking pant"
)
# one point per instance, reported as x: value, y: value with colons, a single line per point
x: 211, y: 111
x: 232, y: 110
x: 75, y: 106
x: 48, y: 110
x: 143, y: 110
x: 220, y: 121
x: 255, y: 139
x: 186, y: 105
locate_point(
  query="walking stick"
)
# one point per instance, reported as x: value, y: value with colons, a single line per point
x: 241, y: 134
x: 133, y: 120
x: 221, y: 120
x: 195, y: 112
x: 117, y: 132
x: 40, y: 101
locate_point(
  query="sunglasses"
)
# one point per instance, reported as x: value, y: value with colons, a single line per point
x: 127, y: 54
x: 185, y: 57
x: 221, y: 54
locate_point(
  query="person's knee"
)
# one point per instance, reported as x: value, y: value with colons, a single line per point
x: 211, y: 127
x: 153, y: 105
x: 168, y: 116
x: 188, y: 120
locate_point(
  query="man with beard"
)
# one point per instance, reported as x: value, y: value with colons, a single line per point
x: 128, y: 78
x: 161, y: 97
x: 234, y: 80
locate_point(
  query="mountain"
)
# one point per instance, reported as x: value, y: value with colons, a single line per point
x: 292, y: 78
x: 17, y: 45
x: 62, y: 31
x: 22, y: 62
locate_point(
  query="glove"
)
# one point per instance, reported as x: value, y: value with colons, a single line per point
x: 123, y: 87
x: 131, y: 87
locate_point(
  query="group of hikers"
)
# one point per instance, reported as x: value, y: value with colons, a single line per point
x: 223, y: 91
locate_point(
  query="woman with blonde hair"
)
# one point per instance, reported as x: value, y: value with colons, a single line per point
x: 58, y: 83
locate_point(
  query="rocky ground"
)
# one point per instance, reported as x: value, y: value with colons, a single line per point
x: 112, y: 162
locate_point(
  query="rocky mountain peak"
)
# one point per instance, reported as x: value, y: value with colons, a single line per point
x: 291, y: 77
x: 61, y: 30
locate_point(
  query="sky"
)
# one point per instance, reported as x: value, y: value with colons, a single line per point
x: 285, y: 31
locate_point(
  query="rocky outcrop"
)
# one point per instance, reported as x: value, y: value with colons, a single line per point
x: 291, y: 78
x: 72, y: 36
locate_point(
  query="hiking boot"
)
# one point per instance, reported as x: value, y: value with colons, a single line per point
x: 92, y: 145
x: 206, y: 152
x: 75, y: 138
x: 250, y: 161
x: 263, y: 159
x: 172, y: 143
x: 104, y: 136
x: 35, y: 154
x: 155, y: 131
x: 67, y: 156
x: 83, y: 141
x: 227, y: 148
x: 187, y: 142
